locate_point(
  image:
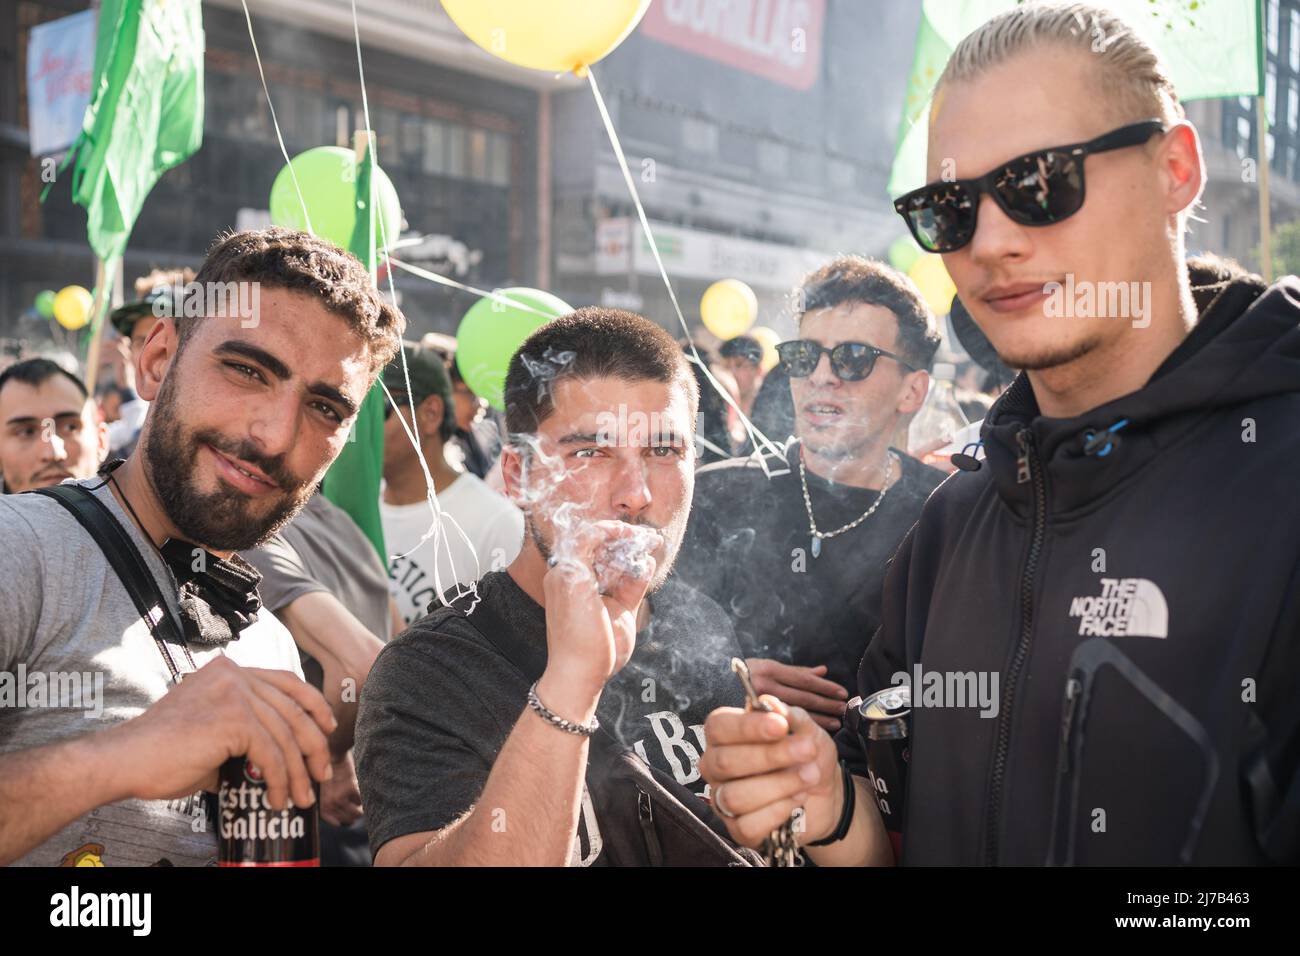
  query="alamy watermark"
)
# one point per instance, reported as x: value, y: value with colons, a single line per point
x: 73, y: 690
x: 636, y: 429
x: 210, y: 300
x: 1103, y: 300
x: 951, y: 689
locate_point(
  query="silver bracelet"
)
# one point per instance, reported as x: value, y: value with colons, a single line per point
x: 556, y: 720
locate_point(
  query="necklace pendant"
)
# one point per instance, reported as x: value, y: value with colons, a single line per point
x: 816, y: 546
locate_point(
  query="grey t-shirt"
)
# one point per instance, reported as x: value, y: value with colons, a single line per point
x: 322, y: 549
x: 67, y: 621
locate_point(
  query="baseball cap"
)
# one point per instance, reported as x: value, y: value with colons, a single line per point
x: 428, y: 374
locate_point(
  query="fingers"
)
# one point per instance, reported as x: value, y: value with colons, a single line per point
x: 803, y: 678
x: 268, y: 757
x: 730, y: 762
x: 303, y: 694
x: 630, y: 591
x: 307, y: 738
x: 750, y: 794
x: 829, y: 724
x: 290, y: 772
x: 731, y: 725
x: 751, y: 829
x: 801, y: 698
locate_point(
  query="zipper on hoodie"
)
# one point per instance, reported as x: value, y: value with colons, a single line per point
x: 1028, y: 469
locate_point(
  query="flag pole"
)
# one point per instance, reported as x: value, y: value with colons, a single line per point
x: 1261, y: 128
x: 1265, y: 228
x: 97, y: 326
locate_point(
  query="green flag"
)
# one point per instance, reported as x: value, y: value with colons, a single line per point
x: 352, y: 482
x: 145, y: 114
x: 1210, y: 46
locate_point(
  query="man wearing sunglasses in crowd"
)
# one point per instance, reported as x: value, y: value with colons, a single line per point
x: 798, y: 558
x: 1126, y: 560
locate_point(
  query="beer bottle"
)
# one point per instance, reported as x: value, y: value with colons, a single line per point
x: 250, y: 833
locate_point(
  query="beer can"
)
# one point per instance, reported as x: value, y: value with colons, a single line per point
x: 881, y: 723
x: 250, y: 833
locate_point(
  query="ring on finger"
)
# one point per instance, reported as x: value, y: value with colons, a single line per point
x: 719, y: 805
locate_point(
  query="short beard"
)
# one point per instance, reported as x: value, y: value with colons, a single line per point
x: 1051, y: 358
x: 216, y: 520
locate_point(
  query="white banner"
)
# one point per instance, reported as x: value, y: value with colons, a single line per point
x: 691, y: 254
x: 60, y: 64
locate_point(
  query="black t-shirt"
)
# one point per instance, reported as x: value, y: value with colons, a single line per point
x: 748, y: 546
x: 442, y: 699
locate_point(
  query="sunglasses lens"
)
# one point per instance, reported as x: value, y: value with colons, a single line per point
x: 1042, y: 189
x: 798, y: 357
x: 852, y: 361
x: 942, y: 218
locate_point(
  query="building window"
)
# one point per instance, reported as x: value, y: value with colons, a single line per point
x: 1272, y: 27
x: 456, y: 152
x: 478, y: 155
x: 1243, y: 136
x: 499, y: 159
x: 700, y: 136
x: 839, y: 173
x: 1295, y: 41
x: 773, y: 158
x: 1293, y: 107
x: 435, y: 147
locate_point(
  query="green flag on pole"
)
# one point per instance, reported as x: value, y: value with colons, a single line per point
x: 145, y: 114
x: 352, y: 482
x: 1210, y: 46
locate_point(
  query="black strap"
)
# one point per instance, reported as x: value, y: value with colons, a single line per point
x: 126, y: 560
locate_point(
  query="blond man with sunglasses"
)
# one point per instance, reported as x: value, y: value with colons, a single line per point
x: 1124, y: 565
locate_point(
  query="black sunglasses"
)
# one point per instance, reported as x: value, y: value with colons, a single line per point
x: 1037, y: 189
x: 850, y: 361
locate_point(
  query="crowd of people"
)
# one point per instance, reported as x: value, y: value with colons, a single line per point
x: 539, y: 670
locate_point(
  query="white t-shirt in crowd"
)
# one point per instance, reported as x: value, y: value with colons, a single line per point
x: 491, y: 522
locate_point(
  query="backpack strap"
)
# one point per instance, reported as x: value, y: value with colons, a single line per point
x: 127, y: 562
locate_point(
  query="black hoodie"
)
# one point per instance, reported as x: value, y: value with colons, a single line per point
x: 1132, y: 578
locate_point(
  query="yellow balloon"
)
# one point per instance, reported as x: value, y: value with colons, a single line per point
x: 72, y: 307
x: 934, y: 282
x: 728, y: 308
x: 554, y: 35
x: 768, y: 339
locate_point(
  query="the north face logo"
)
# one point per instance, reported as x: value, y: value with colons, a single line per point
x: 1126, y: 606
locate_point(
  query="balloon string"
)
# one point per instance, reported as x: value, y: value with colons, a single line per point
x: 435, y: 529
x: 248, y: 17
x: 481, y: 293
x: 763, y: 446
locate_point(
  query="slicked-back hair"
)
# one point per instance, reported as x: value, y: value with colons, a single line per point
x: 856, y: 279
x: 280, y: 258
x: 37, y: 371
x: 591, y: 342
x: 1134, y: 80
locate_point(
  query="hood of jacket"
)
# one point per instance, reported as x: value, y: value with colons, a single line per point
x: 1245, y: 346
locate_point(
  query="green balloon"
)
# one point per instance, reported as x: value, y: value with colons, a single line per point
x: 327, y: 176
x: 903, y: 253
x: 492, y: 331
x: 45, y: 303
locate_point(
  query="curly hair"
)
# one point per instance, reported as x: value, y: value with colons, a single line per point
x: 282, y: 258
